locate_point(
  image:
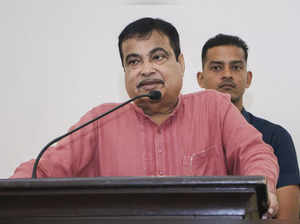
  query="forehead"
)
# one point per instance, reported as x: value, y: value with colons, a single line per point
x: 143, y: 45
x: 225, y: 53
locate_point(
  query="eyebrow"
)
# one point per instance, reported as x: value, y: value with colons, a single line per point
x: 231, y: 62
x: 216, y: 62
x: 153, y: 51
x: 237, y: 62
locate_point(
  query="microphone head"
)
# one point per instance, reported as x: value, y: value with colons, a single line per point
x: 154, y: 95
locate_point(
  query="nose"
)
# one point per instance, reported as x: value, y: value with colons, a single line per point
x: 227, y: 73
x: 147, y: 69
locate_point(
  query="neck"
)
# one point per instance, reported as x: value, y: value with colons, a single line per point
x: 159, y: 118
x: 159, y: 112
x: 240, y: 107
x: 238, y: 103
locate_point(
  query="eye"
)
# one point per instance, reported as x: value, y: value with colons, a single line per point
x: 237, y: 67
x: 159, y: 57
x: 132, y: 62
x: 216, y: 67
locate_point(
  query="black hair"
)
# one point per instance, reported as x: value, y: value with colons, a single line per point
x: 223, y: 39
x: 144, y: 26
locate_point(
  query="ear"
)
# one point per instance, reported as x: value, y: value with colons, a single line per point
x: 249, y: 79
x: 181, y: 62
x: 200, y: 79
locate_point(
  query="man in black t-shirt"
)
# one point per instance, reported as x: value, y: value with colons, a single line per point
x: 224, y: 64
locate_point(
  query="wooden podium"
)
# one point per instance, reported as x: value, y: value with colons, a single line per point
x: 132, y: 199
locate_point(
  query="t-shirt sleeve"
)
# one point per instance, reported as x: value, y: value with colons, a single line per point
x: 287, y: 158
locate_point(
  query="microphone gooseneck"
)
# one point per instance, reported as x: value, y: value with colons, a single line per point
x: 153, y: 95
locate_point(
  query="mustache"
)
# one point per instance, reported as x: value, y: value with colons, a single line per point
x: 227, y: 83
x: 149, y: 82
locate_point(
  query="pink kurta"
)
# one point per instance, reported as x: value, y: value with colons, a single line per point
x: 204, y: 136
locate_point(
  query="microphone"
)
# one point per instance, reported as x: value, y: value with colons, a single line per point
x: 153, y: 95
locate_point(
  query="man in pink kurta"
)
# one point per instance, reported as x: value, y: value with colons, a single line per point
x: 199, y: 134
x: 204, y: 136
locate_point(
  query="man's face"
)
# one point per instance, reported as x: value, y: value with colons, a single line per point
x: 150, y: 64
x: 225, y: 70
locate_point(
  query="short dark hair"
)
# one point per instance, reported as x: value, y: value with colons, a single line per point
x: 224, y: 39
x: 144, y: 26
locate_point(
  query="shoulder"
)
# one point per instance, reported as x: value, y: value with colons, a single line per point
x: 206, y: 96
x: 268, y: 127
x: 210, y: 104
x: 104, y: 108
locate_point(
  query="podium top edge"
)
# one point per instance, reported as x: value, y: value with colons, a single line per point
x: 153, y: 181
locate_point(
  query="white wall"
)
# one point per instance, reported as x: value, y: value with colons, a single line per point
x: 59, y: 58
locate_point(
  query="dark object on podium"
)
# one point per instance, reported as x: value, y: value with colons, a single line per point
x: 132, y: 199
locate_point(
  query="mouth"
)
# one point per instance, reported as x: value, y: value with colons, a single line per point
x: 150, y: 84
x: 227, y: 86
